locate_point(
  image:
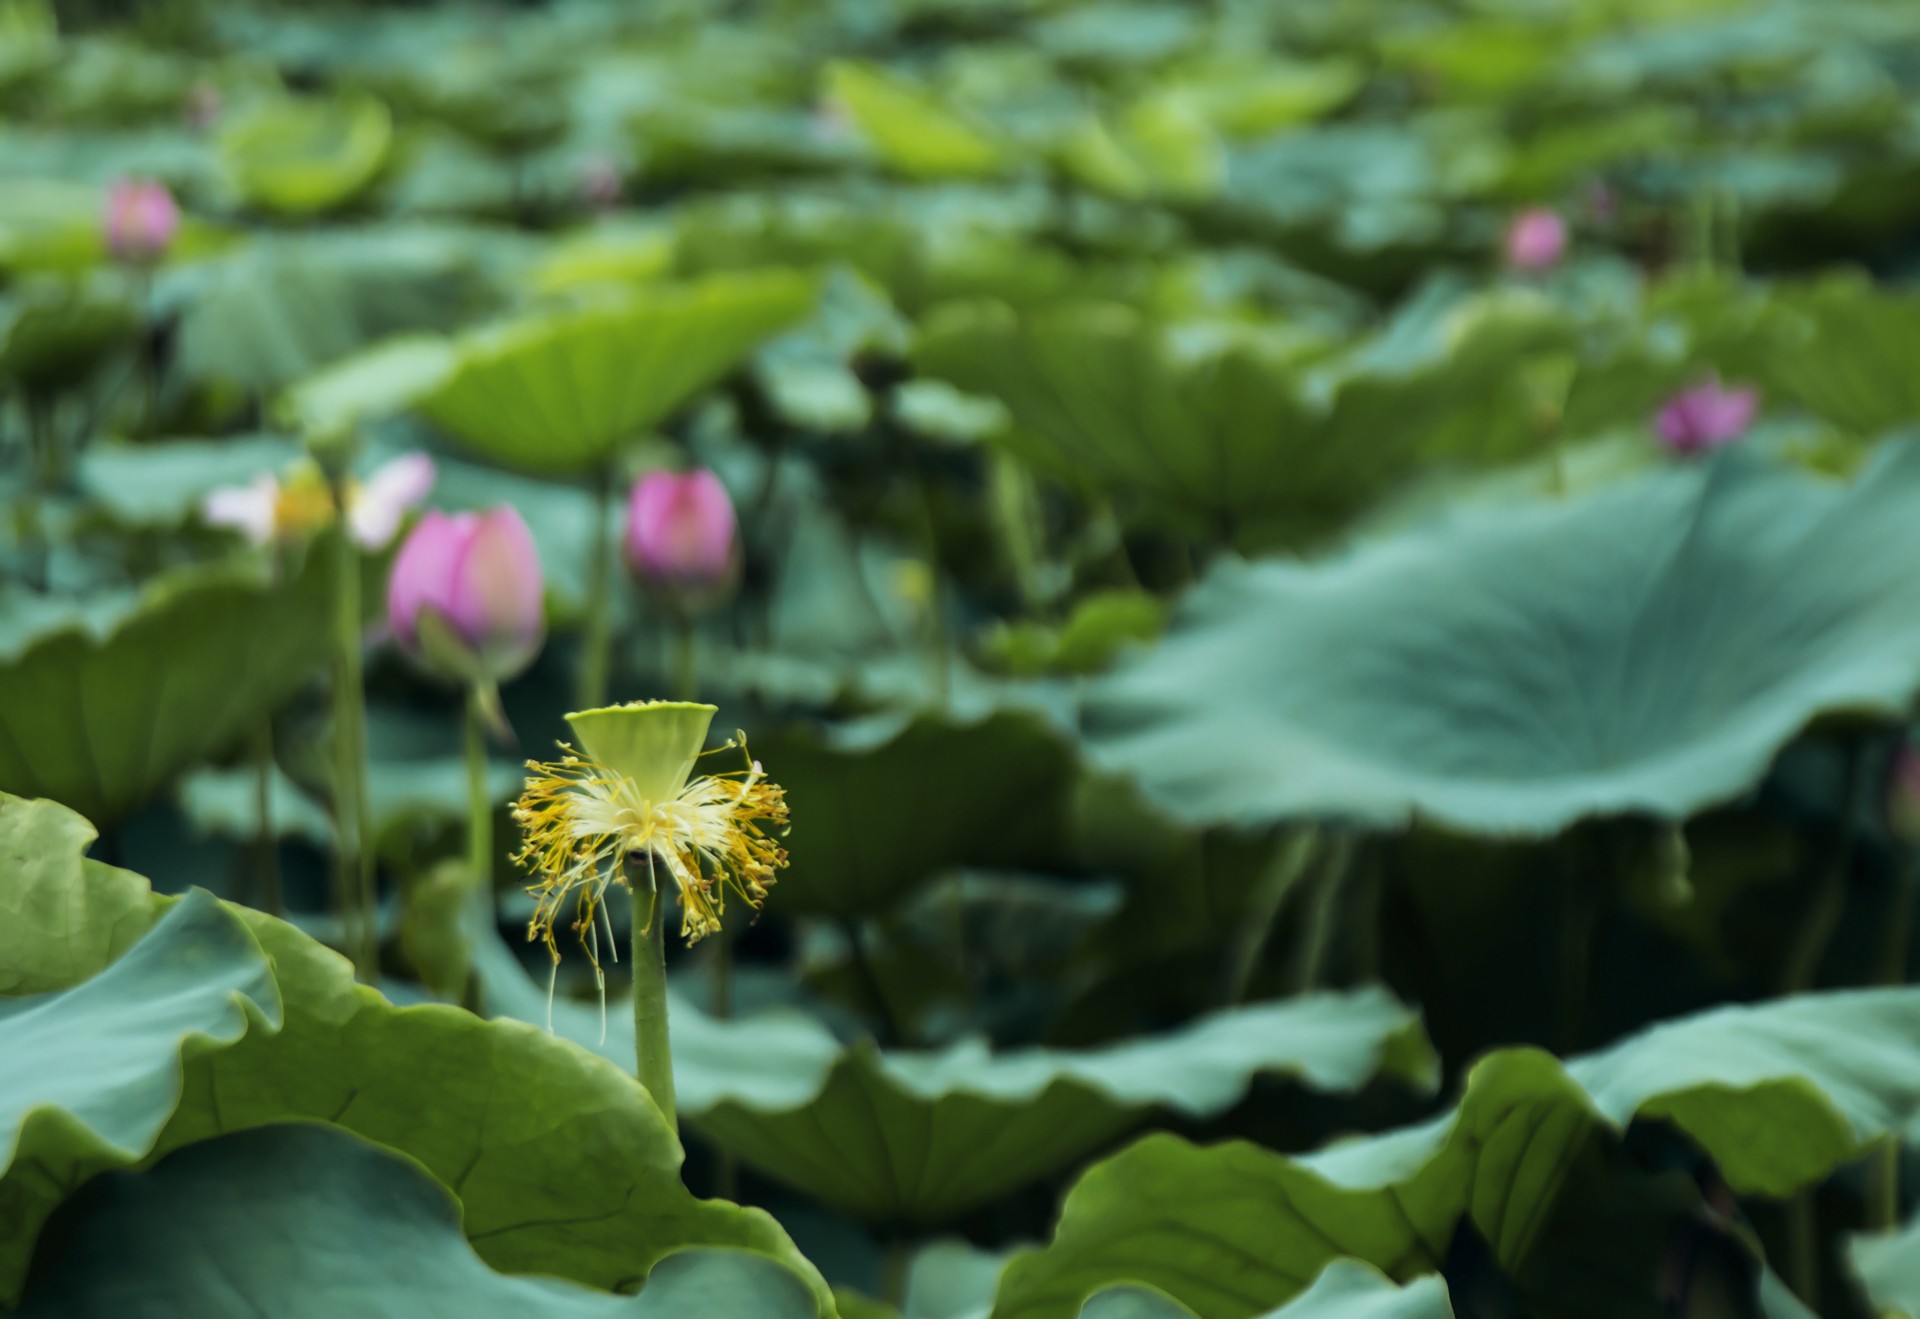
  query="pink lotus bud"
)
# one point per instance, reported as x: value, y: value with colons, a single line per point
x: 1536, y: 240
x: 465, y: 594
x: 1706, y: 416
x: 600, y: 182
x: 681, y: 535
x: 1903, y: 795
x: 140, y: 220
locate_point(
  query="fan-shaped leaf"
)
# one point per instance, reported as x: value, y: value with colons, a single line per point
x: 562, y: 1163
x: 1648, y: 647
x: 1222, y: 434
x: 922, y: 1137
x: 101, y: 719
x: 1778, y: 1095
x: 310, y: 1223
x: 561, y: 391
x: 300, y: 157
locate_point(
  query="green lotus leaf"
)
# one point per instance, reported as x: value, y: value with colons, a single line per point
x: 562, y: 1164
x: 55, y: 334
x: 306, y: 156
x: 1846, y: 354
x: 1888, y: 1265
x: 102, y: 718
x: 909, y: 129
x: 905, y: 1136
x: 1777, y: 1095
x: 1648, y: 647
x: 50, y: 225
x: 888, y: 803
x: 311, y: 1223
x: 376, y: 382
x: 1344, y: 1290
x: 163, y: 485
x: 1223, y: 434
x: 282, y: 308
x: 562, y: 391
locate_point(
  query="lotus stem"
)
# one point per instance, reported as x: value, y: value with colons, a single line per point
x: 652, y: 1047
x: 597, y: 662
x: 266, y: 871
x: 1803, y: 958
x: 479, y: 809
x: 1282, y: 875
x: 354, y: 874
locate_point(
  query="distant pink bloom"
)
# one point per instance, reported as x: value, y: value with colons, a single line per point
x: 1536, y: 240
x: 601, y: 182
x: 478, y: 576
x: 140, y: 220
x: 681, y: 535
x: 1903, y: 795
x: 203, y: 106
x: 1706, y: 416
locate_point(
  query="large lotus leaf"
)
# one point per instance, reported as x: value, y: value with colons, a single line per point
x: 1645, y: 648
x: 1344, y: 1290
x: 371, y: 384
x: 562, y: 1163
x: 561, y: 391
x: 1847, y: 354
x: 302, y: 157
x: 1228, y: 436
x: 56, y: 333
x: 886, y: 804
x: 909, y: 129
x: 311, y: 1223
x: 923, y: 1137
x: 1888, y: 1264
x: 162, y: 485
x: 102, y: 720
x: 283, y: 307
x: 1778, y: 1095
x: 49, y: 225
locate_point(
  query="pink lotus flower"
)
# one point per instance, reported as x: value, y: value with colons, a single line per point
x: 465, y: 596
x: 1706, y: 416
x: 681, y: 535
x: 1536, y: 240
x: 270, y: 508
x: 141, y: 220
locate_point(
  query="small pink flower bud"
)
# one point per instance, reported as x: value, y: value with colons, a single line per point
x: 681, y: 535
x: 601, y: 182
x: 1706, y: 416
x: 465, y: 594
x: 1903, y: 795
x: 140, y: 221
x: 1536, y: 240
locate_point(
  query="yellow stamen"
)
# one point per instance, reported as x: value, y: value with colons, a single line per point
x: 582, y: 823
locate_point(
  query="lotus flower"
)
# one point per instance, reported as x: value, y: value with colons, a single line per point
x: 632, y: 796
x: 465, y: 595
x: 1536, y: 240
x: 1706, y: 416
x: 682, y: 536
x: 271, y: 508
x: 141, y: 220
